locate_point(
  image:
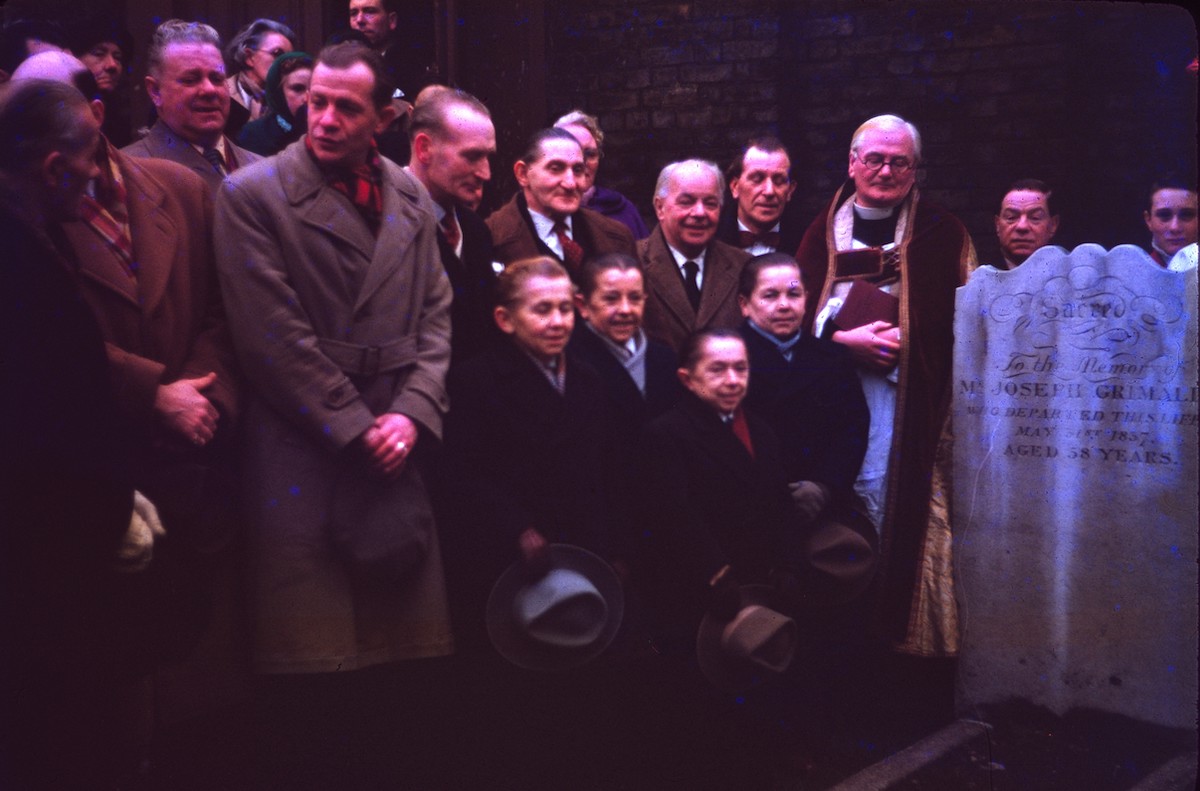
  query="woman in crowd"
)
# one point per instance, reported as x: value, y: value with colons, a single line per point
x: 286, y: 119
x: 249, y: 56
x: 586, y: 129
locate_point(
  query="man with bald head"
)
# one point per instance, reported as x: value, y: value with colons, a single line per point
x: 70, y: 616
x: 691, y: 277
x: 880, y: 266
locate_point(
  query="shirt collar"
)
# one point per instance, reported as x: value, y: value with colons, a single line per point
x: 742, y: 227
x: 681, y: 259
x: 784, y: 347
x: 545, y: 226
x: 220, y: 146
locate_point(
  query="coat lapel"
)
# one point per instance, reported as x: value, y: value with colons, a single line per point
x: 665, y: 281
x: 319, y: 206
x: 401, y: 221
x: 717, y: 441
x: 720, y: 279
x: 153, y: 232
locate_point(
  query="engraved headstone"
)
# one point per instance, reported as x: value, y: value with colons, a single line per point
x: 1075, y: 485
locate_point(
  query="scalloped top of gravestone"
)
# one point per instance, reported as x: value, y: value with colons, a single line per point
x: 1075, y: 485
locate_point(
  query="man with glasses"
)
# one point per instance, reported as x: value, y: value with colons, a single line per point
x: 880, y: 266
x: 1171, y: 218
x: 1027, y: 221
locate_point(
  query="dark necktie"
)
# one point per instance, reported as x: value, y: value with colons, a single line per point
x: 216, y: 160
x: 691, y: 284
x: 749, y: 239
x: 572, y: 252
x: 450, y: 230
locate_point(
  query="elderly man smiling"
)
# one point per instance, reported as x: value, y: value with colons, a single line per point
x: 691, y: 277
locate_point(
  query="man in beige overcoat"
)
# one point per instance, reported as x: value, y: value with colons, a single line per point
x: 340, y: 312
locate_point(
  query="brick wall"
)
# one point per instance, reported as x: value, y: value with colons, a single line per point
x: 1093, y: 97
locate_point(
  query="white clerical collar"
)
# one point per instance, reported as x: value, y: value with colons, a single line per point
x: 872, y: 212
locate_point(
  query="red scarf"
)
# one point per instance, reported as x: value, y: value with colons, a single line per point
x: 363, y: 185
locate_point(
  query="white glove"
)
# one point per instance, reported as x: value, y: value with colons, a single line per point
x: 809, y: 498
x: 137, y: 547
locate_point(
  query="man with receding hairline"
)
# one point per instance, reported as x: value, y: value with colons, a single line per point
x: 452, y: 139
x: 546, y: 216
x: 186, y: 81
x: 1026, y: 221
x: 691, y: 276
x: 761, y: 217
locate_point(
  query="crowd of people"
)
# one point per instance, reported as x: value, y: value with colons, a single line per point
x: 558, y: 497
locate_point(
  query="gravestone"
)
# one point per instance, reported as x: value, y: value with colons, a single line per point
x: 1075, y: 485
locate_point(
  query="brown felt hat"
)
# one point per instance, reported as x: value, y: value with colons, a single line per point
x: 756, y: 646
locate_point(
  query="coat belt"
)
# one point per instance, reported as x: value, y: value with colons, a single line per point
x: 357, y: 359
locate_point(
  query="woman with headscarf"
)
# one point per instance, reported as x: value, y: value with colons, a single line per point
x: 286, y: 119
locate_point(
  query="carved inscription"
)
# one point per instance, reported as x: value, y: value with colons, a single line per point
x: 1089, y: 374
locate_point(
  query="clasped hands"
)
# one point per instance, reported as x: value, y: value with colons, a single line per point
x: 388, y: 443
x: 874, y: 346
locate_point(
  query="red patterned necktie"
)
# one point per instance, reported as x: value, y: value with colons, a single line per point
x: 450, y: 231
x: 749, y: 239
x: 741, y: 430
x: 572, y: 252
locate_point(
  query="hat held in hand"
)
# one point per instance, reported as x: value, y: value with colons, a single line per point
x: 563, y: 619
x: 754, y: 647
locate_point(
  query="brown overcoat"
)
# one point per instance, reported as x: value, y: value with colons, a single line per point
x: 513, y: 236
x: 166, y: 322
x: 669, y: 315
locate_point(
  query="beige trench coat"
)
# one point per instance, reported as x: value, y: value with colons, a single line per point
x: 332, y: 327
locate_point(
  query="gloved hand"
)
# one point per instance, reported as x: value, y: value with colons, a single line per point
x: 809, y: 498
x: 137, y: 546
x: 724, y: 597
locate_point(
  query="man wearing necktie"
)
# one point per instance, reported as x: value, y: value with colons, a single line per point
x: 452, y: 137
x: 761, y: 218
x: 185, y: 79
x: 547, y: 217
x: 691, y: 277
